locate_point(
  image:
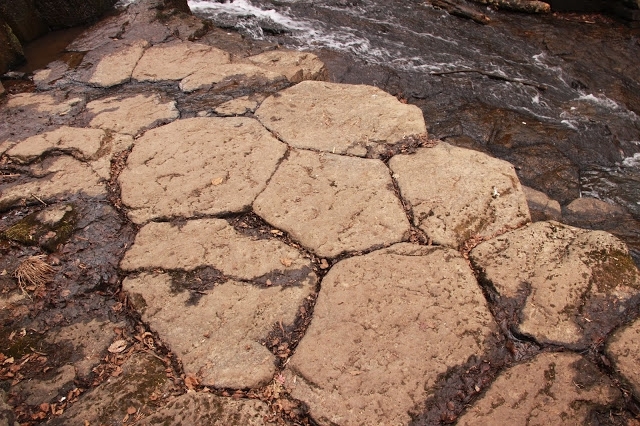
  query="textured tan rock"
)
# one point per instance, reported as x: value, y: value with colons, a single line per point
x: 58, y: 177
x: 176, y: 60
x: 237, y: 106
x: 116, y: 67
x: 219, y: 337
x: 206, y: 77
x: 385, y: 325
x: 113, y: 144
x: 90, y: 341
x: 131, y: 115
x: 37, y: 391
x: 210, y: 242
x: 296, y: 66
x: 44, y: 103
x: 541, y: 206
x: 624, y: 349
x: 468, y: 193
x: 142, y: 381
x: 563, y: 269
x: 333, y: 204
x: 339, y: 118
x: 206, y: 409
x: 551, y: 389
x: 85, y: 143
x: 199, y: 166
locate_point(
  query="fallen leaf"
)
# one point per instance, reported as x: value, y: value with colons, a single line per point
x: 131, y: 410
x: 217, y: 181
x: 285, y: 261
x: 191, y: 382
x: 324, y: 264
x: 118, y: 346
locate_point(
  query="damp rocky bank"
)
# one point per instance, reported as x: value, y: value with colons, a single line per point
x: 201, y: 229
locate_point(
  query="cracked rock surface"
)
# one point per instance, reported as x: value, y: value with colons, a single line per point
x: 195, y: 230
x: 568, y: 278
x: 198, y: 166
x: 553, y: 388
x: 385, y: 325
x: 624, y: 349
x: 337, y: 203
x: 469, y: 193
x: 339, y: 118
x: 219, y: 338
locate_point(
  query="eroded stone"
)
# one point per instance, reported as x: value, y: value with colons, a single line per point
x: 114, y: 63
x: 206, y: 409
x: 90, y: 341
x: 220, y: 337
x: 44, y: 103
x: 339, y: 118
x: 333, y: 204
x: 237, y: 106
x: 624, y: 349
x: 85, y: 143
x: 142, y: 381
x: 385, y: 326
x: 131, y: 115
x: 199, y: 166
x: 553, y: 388
x: 176, y: 60
x: 575, y: 281
x: 541, y: 206
x: 456, y: 193
x: 205, y: 78
x: 37, y: 391
x: 296, y: 66
x: 211, y: 242
x: 55, y: 178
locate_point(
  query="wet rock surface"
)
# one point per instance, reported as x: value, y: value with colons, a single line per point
x: 559, y: 277
x: 550, y: 389
x: 163, y: 262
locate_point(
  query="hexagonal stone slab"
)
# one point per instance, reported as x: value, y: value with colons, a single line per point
x: 339, y: 118
x: 220, y: 337
x: 176, y: 60
x: 551, y: 389
x: 213, y: 242
x: 207, y: 409
x: 198, y: 166
x: 624, y: 349
x: 55, y: 178
x: 385, y: 325
x: 574, y: 283
x: 296, y: 66
x: 333, y: 204
x: 131, y: 115
x: 468, y: 193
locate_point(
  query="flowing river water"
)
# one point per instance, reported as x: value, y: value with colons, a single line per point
x: 558, y: 96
